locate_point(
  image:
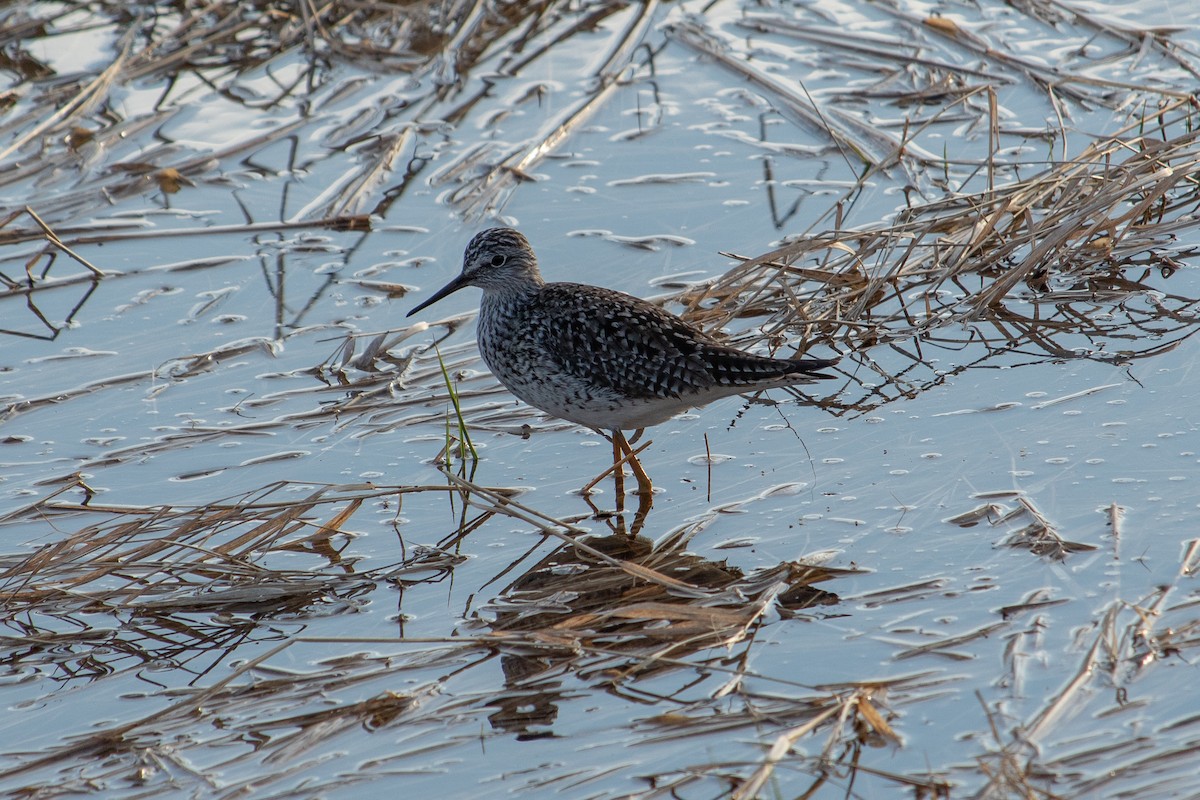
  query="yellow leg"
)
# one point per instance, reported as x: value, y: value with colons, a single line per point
x: 618, y: 471
x: 644, y: 485
x: 624, y: 453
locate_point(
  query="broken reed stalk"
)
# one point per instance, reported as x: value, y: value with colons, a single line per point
x: 617, y: 464
x: 56, y: 242
x: 96, y: 234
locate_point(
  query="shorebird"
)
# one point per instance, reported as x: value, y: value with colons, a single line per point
x: 598, y: 357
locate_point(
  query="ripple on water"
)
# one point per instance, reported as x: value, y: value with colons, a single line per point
x: 706, y: 459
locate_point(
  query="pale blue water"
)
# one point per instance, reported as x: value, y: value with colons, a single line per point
x: 120, y: 396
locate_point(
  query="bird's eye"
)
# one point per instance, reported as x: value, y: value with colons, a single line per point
x: 498, y: 260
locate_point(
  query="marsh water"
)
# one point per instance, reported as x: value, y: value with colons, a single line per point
x: 246, y: 553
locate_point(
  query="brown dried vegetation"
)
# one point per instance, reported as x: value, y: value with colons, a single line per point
x: 1073, y: 262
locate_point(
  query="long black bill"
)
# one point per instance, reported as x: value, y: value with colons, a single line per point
x: 450, y: 288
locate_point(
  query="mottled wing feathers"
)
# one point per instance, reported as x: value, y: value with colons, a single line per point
x: 638, y: 350
x: 620, y: 342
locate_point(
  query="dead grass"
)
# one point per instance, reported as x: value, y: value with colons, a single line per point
x: 185, y: 560
x: 1072, y: 263
x: 985, y: 267
x: 1114, y: 652
x: 195, y: 584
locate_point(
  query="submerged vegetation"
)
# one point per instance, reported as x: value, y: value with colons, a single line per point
x: 978, y: 203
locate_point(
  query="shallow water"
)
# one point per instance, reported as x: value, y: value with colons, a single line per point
x: 962, y: 495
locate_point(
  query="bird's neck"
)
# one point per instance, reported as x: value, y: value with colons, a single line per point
x: 515, y: 289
